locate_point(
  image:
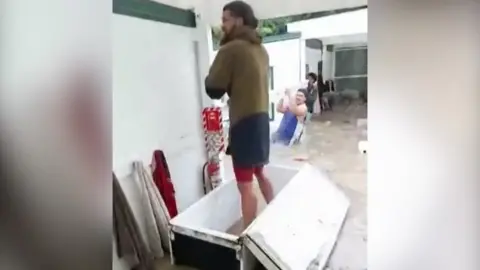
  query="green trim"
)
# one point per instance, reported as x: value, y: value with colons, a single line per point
x: 272, y: 111
x: 271, y: 78
x: 319, y: 14
x: 154, y: 11
x: 271, y: 39
x: 282, y: 37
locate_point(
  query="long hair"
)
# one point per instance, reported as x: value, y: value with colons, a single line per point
x: 321, y: 84
x: 242, y: 10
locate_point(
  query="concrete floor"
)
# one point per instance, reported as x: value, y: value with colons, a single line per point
x: 331, y: 144
x: 336, y: 139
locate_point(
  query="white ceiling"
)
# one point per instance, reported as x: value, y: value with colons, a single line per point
x: 346, y: 40
x: 349, y: 23
x: 211, y: 10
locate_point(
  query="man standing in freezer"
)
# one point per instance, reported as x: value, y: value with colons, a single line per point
x: 240, y: 70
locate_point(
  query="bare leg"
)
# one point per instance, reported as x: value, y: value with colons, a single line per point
x: 249, y: 202
x: 264, y: 184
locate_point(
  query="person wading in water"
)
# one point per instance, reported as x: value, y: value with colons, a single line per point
x: 240, y: 70
x: 294, y: 116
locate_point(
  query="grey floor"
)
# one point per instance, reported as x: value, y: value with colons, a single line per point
x: 331, y: 144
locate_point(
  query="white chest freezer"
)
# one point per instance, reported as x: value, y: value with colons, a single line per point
x: 296, y: 231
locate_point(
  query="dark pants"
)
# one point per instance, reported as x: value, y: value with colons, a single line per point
x: 310, y: 107
x: 320, y: 100
x: 250, y: 141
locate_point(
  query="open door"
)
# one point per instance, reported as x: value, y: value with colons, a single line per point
x: 299, y: 229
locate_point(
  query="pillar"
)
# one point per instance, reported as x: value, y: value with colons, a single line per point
x: 327, y: 62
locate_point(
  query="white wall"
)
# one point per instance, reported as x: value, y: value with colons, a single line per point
x: 285, y: 60
x: 312, y: 57
x: 349, y: 23
x: 327, y: 64
x: 156, y: 105
x: 361, y: 38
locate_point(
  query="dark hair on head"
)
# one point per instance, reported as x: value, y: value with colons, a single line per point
x: 320, y: 78
x: 242, y: 10
x: 313, y: 76
x: 303, y: 91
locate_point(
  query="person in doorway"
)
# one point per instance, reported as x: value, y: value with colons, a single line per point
x: 312, y: 93
x: 321, y: 88
x: 240, y: 69
x: 294, y: 111
x: 328, y: 101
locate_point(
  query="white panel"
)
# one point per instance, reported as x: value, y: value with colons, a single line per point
x: 285, y: 59
x: 327, y: 65
x: 350, y: 23
x: 156, y: 103
x: 346, y: 40
x: 308, y: 215
x: 312, y: 57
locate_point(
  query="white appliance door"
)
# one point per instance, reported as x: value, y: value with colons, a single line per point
x: 299, y: 229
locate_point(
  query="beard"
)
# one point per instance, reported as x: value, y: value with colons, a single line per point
x: 227, y: 35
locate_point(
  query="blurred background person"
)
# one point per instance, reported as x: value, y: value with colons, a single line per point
x: 311, y: 93
x: 294, y: 109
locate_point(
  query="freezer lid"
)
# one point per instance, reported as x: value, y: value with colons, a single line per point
x: 299, y: 229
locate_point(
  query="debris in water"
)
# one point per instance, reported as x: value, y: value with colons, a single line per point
x: 300, y: 159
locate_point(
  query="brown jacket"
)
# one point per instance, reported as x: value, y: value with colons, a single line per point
x: 240, y: 69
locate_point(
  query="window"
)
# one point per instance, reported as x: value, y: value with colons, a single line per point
x: 350, y: 62
x: 351, y: 69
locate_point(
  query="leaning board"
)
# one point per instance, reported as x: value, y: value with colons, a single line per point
x: 299, y: 229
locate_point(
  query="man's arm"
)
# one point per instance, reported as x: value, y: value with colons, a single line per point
x: 220, y: 75
x: 280, y: 107
x: 299, y: 111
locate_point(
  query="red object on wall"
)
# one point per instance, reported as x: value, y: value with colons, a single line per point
x: 212, y: 119
x: 163, y: 181
x: 212, y: 168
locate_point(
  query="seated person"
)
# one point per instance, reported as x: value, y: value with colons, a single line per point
x: 294, y: 112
